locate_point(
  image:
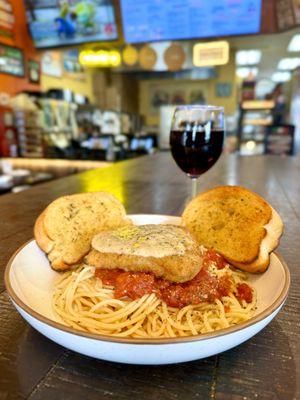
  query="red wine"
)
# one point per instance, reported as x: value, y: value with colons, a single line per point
x: 196, y: 152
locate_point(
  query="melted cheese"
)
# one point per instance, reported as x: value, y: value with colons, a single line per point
x: 144, y: 240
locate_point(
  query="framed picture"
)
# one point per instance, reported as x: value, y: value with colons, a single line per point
x: 223, y: 89
x: 174, y: 94
x: 34, y: 71
x: 158, y: 97
x: 178, y: 97
x: 197, y: 97
x: 11, y: 61
x: 71, y: 65
x: 51, y: 64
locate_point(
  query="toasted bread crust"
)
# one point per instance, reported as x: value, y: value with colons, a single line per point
x: 43, y: 241
x: 257, y: 266
x: 231, y: 220
x: 48, y: 245
x: 270, y: 242
x: 65, y: 229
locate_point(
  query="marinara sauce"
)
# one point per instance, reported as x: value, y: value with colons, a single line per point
x: 204, y: 287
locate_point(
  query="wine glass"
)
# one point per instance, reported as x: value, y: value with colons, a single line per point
x: 196, y: 139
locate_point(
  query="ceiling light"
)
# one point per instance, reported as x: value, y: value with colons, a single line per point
x: 250, y: 145
x: 281, y: 76
x: 294, y: 44
x: 248, y: 57
x: 100, y: 58
x: 288, y: 64
x: 114, y: 58
x: 245, y: 72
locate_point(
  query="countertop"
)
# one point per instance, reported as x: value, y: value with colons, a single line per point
x: 265, y: 367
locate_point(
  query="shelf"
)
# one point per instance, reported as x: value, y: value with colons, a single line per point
x: 261, y: 122
x: 258, y: 105
x: 252, y: 140
x: 57, y: 130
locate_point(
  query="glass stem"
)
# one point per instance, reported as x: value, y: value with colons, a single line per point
x: 194, y: 187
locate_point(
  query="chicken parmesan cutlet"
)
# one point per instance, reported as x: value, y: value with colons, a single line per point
x: 167, y: 251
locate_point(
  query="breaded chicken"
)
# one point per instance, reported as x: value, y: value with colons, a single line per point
x: 168, y: 251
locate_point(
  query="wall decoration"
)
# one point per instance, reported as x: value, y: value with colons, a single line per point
x: 51, y: 64
x: 296, y: 8
x: 159, y: 98
x: 161, y: 94
x: 223, y: 89
x: 130, y: 55
x: 174, y: 57
x: 71, y: 65
x: 11, y: 61
x: 147, y: 57
x: 197, y: 97
x: 209, y: 54
x: 34, y: 71
x: 178, y: 97
x: 284, y: 13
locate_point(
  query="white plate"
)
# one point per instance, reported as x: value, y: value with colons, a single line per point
x: 29, y: 281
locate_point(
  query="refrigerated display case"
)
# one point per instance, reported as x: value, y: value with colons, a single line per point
x: 279, y: 140
x: 255, y: 117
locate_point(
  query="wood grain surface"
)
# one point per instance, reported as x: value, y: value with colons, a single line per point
x: 265, y: 367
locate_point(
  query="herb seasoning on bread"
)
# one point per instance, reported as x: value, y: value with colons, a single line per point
x: 236, y: 223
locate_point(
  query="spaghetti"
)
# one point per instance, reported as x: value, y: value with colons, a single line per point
x: 85, y: 303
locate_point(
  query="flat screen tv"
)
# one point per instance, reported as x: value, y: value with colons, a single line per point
x: 54, y: 23
x: 154, y: 20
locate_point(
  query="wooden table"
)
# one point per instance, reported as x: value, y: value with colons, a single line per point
x: 265, y: 367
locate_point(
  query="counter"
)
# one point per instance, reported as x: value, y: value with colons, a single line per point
x: 57, y: 167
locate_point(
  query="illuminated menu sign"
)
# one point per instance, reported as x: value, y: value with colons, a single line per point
x: 151, y: 20
x: 11, y: 61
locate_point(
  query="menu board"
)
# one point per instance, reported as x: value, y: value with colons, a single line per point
x: 280, y: 140
x: 151, y: 20
x: 11, y: 61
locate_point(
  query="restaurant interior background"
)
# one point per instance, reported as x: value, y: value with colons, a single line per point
x: 87, y: 83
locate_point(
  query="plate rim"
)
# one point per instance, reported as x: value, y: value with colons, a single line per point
x: 151, y: 341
